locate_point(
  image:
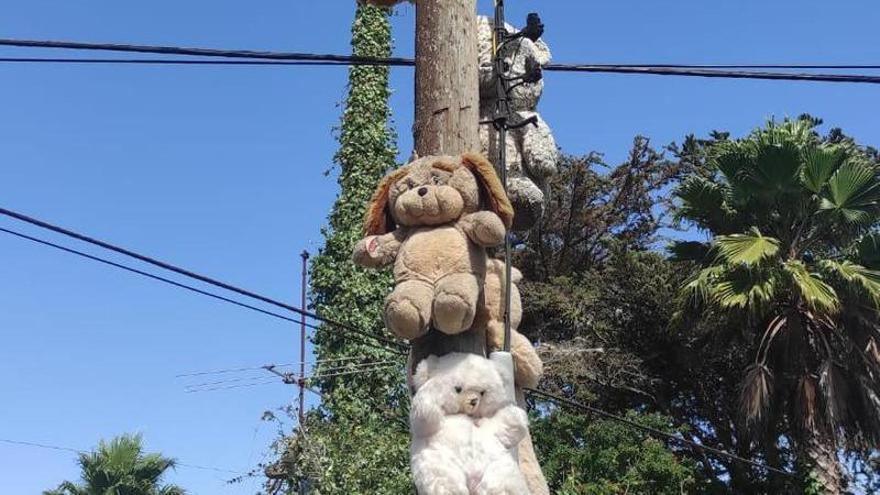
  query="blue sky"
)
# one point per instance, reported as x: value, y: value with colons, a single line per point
x: 222, y: 170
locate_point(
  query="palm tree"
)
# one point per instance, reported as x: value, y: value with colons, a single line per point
x: 120, y: 467
x: 792, y: 258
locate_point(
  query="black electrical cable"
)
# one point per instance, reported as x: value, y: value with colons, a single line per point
x: 653, y: 431
x: 184, y: 286
x: 165, y: 61
x: 707, y: 70
x: 78, y: 451
x: 538, y: 393
x: 672, y: 71
x: 190, y: 274
x: 183, y: 61
x: 208, y: 52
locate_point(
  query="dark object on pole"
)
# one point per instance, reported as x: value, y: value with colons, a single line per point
x: 533, y: 30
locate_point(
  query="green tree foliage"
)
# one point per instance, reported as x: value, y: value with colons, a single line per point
x: 791, y: 266
x: 597, y: 300
x: 120, y: 467
x: 340, y: 290
x: 355, y: 442
x: 601, y: 457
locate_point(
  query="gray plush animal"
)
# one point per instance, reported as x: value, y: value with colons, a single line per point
x: 531, y: 149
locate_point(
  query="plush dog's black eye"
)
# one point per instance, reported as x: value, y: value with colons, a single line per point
x: 482, y: 392
x: 457, y: 389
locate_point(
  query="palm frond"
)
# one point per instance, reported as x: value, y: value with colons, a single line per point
x: 818, y: 166
x: 806, y: 404
x: 835, y: 393
x: 853, y: 193
x: 696, y: 292
x: 818, y: 295
x: 747, y: 249
x: 858, y: 279
x: 748, y: 290
x: 776, y: 168
x: 756, y: 395
x: 703, y: 203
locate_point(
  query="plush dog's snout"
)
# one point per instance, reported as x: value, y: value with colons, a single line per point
x: 422, y: 191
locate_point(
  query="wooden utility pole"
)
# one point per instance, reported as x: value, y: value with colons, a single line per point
x: 447, y: 116
x: 447, y: 92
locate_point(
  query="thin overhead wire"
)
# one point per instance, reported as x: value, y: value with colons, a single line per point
x: 557, y: 399
x: 273, y: 58
x: 78, y: 451
x: 189, y: 273
x: 183, y: 286
x: 351, y: 372
x: 227, y: 387
x: 246, y: 379
x: 263, y: 367
x: 351, y: 367
x: 231, y: 370
x: 653, y: 431
x: 354, y: 366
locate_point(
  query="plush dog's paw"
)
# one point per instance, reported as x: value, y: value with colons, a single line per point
x: 453, y: 313
x: 405, y: 319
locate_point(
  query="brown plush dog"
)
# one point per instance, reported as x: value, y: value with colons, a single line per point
x: 433, y: 219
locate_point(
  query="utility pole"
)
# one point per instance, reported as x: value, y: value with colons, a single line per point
x: 302, y: 339
x: 447, y: 103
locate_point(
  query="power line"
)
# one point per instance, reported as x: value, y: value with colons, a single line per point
x: 210, y: 389
x: 263, y: 367
x: 672, y: 71
x: 557, y: 399
x: 307, y: 63
x: 188, y: 273
x: 209, y: 52
x: 653, y: 431
x: 78, y: 451
x: 231, y: 370
x: 273, y: 58
x: 180, y: 285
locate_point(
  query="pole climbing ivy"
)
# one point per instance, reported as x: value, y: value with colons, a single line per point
x: 357, y: 440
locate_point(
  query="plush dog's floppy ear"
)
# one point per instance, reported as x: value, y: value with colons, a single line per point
x: 423, y: 371
x: 491, y: 189
x: 379, y: 220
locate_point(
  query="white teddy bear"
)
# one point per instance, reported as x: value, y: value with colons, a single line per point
x: 465, y: 429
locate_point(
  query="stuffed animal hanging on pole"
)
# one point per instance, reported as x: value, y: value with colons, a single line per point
x: 433, y: 220
x: 464, y: 428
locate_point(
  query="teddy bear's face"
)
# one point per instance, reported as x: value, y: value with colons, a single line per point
x: 467, y: 400
x: 468, y: 384
x: 433, y: 192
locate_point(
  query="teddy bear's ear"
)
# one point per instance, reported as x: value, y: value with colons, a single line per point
x: 491, y: 188
x: 423, y: 371
x: 378, y: 220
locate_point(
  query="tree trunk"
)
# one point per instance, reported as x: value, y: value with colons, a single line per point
x: 447, y: 115
x: 818, y: 463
